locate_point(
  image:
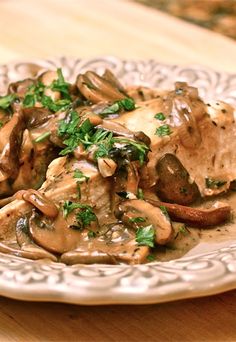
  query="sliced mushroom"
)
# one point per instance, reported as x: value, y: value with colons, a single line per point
x: 11, y: 138
x: 97, y: 89
x: 216, y: 215
x: 21, y: 87
x: 41, y: 202
x: 111, y: 78
x: 57, y: 236
x: 128, y: 210
x: 36, y: 116
x: 174, y: 184
x: 31, y: 250
x: 107, y: 167
x: 116, y: 128
x: 47, y: 78
x: 82, y: 256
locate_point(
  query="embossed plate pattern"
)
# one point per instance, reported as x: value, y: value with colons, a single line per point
x: 198, y: 275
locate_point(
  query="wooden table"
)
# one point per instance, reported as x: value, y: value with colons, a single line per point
x: 44, y: 28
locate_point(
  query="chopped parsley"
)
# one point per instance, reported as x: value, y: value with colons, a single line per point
x: 214, y: 183
x: 142, y: 148
x: 164, y: 210
x: 105, y: 146
x: 42, y: 137
x: 81, y: 177
x: 140, y: 194
x: 183, y: 190
x: 150, y: 257
x: 91, y: 234
x: 160, y: 116
x: 137, y: 219
x: 163, y: 131
x: 6, y: 101
x: 36, y: 93
x: 145, y: 236
x: 183, y: 230
x: 84, y: 217
x: 61, y: 85
x: 74, y: 133
x: 1, y: 124
x: 127, y: 104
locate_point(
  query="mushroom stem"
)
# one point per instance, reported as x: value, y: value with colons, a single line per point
x: 195, y: 217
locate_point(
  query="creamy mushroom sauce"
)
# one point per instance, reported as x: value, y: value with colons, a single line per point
x: 76, y: 161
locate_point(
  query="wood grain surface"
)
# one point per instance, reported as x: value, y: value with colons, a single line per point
x: 44, y: 28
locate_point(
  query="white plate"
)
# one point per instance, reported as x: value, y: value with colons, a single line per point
x: 200, y: 274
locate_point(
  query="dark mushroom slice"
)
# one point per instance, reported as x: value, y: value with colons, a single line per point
x: 20, y: 88
x: 57, y: 236
x: 11, y: 139
x: 83, y: 256
x: 116, y: 128
x: 115, y: 245
x: 12, y: 247
x: 41, y: 202
x: 97, y: 89
x: 129, y: 253
x: 111, y: 78
x: 36, y: 116
x: 129, y: 211
x: 194, y: 216
x: 32, y: 251
x: 34, y: 159
x: 173, y: 183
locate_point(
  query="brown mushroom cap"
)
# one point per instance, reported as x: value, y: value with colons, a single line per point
x: 54, y: 235
x: 11, y: 138
x: 173, y: 181
x: 130, y: 209
x: 97, y: 89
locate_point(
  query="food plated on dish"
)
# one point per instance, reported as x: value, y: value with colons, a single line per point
x: 95, y: 172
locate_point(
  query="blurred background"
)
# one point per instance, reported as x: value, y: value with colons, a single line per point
x: 171, y: 31
x: 217, y: 15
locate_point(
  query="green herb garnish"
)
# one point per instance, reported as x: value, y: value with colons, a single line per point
x: 36, y: 93
x: 127, y: 104
x: 91, y: 234
x: 142, y: 148
x: 160, y: 116
x: 42, y: 137
x: 61, y: 85
x: 137, y: 219
x: 80, y: 176
x: 163, y: 131
x: 150, y: 257
x: 183, y: 230
x: 140, y: 194
x: 84, y: 217
x: 1, y: 124
x: 6, y: 101
x: 164, y: 210
x: 145, y: 236
x: 214, y: 183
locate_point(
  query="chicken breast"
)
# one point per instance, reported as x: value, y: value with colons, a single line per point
x: 202, y: 136
x: 60, y: 186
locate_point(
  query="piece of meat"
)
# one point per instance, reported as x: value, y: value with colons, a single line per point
x: 202, y: 136
x: 61, y: 186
